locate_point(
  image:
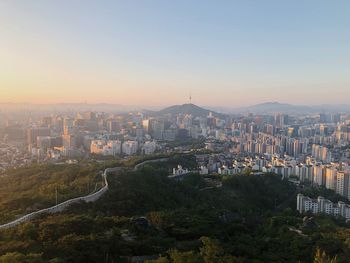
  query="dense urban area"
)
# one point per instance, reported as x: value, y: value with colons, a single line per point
x: 311, y: 148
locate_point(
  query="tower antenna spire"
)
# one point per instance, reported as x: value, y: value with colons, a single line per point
x: 190, y: 98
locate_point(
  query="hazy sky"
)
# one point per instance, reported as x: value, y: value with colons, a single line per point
x: 227, y: 53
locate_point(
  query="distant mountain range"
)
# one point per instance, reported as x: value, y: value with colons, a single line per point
x: 276, y: 107
x: 263, y: 108
x: 272, y: 107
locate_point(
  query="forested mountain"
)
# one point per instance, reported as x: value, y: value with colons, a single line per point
x: 188, y: 109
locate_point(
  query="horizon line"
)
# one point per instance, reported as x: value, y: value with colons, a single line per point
x: 166, y: 105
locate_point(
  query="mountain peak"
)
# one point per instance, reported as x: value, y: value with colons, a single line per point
x: 187, y: 108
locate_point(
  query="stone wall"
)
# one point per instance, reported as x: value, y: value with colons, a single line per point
x: 62, y: 206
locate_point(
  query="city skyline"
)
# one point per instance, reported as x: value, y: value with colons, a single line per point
x: 174, y: 131
x: 231, y: 54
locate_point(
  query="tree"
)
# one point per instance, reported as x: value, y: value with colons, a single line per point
x: 184, y: 257
x: 156, y: 218
x: 15, y: 257
x: 159, y: 260
x: 211, y: 251
x: 321, y: 257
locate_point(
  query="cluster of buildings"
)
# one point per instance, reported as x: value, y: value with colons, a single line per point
x: 325, y: 137
x: 89, y: 133
x: 12, y: 155
x: 321, y: 205
x: 116, y: 147
x: 298, y: 136
x: 179, y: 172
x: 82, y: 134
x: 261, y: 143
x: 334, y: 176
x: 321, y: 153
x: 106, y: 147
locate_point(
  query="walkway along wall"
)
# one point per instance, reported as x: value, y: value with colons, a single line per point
x: 88, y: 198
x: 62, y: 206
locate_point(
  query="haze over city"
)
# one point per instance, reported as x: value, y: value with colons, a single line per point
x: 156, y: 53
x: 187, y: 131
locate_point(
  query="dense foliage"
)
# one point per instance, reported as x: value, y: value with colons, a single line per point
x: 244, y: 219
x: 28, y: 189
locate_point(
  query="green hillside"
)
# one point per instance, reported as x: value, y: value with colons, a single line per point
x: 248, y: 219
x: 29, y: 189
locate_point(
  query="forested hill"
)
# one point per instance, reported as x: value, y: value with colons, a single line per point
x: 188, y: 109
x: 29, y: 189
x: 148, y: 215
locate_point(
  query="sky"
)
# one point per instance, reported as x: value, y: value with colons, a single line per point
x: 157, y: 53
